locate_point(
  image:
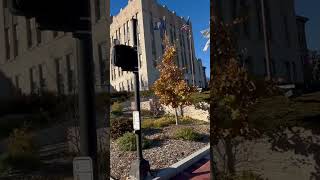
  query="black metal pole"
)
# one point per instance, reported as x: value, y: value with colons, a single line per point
x: 87, y: 113
x: 266, y: 39
x: 137, y: 90
x: 139, y: 168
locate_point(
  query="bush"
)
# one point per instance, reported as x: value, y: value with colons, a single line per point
x: 34, y: 121
x: 147, y: 94
x: 116, y: 109
x: 120, y: 126
x: 120, y: 96
x: 22, y: 153
x: 187, y: 134
x: 128, y: 142
x: 200, y: 97
x: 158, y: 123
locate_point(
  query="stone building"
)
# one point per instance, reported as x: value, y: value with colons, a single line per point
x: 284, y: 36
x: 150, y: 48
x: 44, y: 60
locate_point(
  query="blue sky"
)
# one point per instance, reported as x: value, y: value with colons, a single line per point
x: 310, y: 9
x: 199, y: 12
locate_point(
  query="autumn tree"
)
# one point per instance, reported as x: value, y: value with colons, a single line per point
x: 232, y: 93
x: 171, y: 88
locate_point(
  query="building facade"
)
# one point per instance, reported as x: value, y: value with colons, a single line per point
x: 44, y: 60
x: 283, y: 32
x: 150, y: 48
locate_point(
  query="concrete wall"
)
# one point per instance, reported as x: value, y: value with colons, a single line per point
x: 188, y: 111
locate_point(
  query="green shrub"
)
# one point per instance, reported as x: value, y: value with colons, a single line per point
x: 200, y: 97
x: 187, y: 134
x: 120, y: 96
x: 128, y: 142
x: 158, y: 123
x: 146, y: 94
x: 120, y: 126
x: 117, y: 109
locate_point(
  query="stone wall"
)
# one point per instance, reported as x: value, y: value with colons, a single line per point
x: 188, y: 111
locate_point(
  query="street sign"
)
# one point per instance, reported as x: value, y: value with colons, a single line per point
x: 82, y: 168
x: 136, y: 120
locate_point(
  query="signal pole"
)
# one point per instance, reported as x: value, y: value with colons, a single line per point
x: 140, y: 167
x: 266, y: 39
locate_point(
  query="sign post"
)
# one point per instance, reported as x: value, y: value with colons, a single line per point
x: 126, y: 58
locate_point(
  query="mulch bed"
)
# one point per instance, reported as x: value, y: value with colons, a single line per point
x: 164, y: 152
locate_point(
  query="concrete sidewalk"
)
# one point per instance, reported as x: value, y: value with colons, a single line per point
x: 198, y: 171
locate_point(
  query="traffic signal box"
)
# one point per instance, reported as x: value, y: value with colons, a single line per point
x: 57, y: 15
x: 125, y: 57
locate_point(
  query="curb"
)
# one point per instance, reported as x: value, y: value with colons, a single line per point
x: 180, y: 166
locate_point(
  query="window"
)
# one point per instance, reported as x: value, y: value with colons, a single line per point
x: 70, y: 73
x: 15, y: 40
x: 103, y: 62
x: 268, y: 18
x: 5, y: 4
x: 234, y: 6
x: 29, y: 33
x: 39, y: 36
x: 245, y: 8
x: 259, y: 18
x: 294, y: 69
x: 59, y: 77
x: 140, y: 60
x: 97, y: 11
x: 42, y: 82
x: 119, y: 31
x: 128, y: 87
x: 288, y: 71
x: 286, y: 29
x: 55, y: 34
x: 7, y: 42
x: 273, y: 67
x: 32, y: 83
x: 17, y: 82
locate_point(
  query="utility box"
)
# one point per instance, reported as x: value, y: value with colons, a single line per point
x: 82, y: 168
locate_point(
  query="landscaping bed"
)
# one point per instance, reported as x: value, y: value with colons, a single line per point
x: 164, y: 149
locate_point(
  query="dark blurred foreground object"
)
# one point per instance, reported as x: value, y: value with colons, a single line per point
x: 55, y: 15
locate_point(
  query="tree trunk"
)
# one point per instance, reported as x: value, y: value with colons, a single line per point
x: 176, y: 115
x: 181, y: 110
x: 230, y: 156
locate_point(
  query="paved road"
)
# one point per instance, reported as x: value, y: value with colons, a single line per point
x: 198, y: 171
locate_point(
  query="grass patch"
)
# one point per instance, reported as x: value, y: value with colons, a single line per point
x: 158, y: 122
x: 279, y: 111
x: 128, y: 142
x: 117, y: 109
x: 200, y: 97
x: 187, y: 134
x: 168, y: 120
